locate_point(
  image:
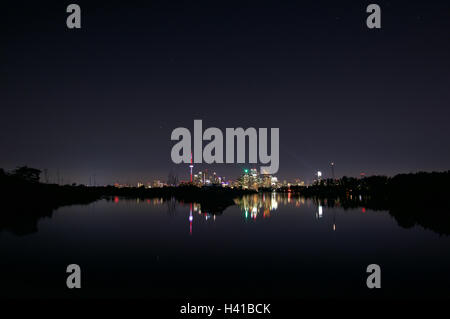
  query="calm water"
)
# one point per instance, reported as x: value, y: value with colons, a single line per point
x: 267, y: 245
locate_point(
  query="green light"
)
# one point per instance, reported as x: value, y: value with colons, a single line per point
x: 246, y: 170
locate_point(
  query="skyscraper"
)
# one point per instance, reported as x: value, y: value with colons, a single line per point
x: 191, y: 167
x: 332, y: 169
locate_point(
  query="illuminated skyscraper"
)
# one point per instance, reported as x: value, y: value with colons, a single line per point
x: 332, y: 169
x: 191, y: 167
x: 267, y: 181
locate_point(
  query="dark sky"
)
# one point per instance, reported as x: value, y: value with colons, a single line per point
x: 104, y: 100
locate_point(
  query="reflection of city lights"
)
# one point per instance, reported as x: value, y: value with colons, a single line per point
x: 274, y: 204
x: 320, y: 212
x: 116, y: 199
x: 191, y: 218
x: 334, y: 227
x: 251, y: 205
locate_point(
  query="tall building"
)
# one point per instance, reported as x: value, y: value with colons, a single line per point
x: 319, y: 176
x: 250, y: 179
x: 332, y: 170
x: 266, y: 181
x: 275, y: 182
x: 157, y: 183
x: 191, y: 167
x: 197, y: 179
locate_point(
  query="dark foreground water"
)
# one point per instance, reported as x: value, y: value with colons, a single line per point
x: 267, y: 246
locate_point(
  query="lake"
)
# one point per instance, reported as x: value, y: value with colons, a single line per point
x: 266, y: 246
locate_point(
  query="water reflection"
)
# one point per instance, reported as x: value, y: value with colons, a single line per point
x: 290, y: 242
x: 191, y: 218
x: 252, y: 207
x: 319, y: 212
x: 261, y: 204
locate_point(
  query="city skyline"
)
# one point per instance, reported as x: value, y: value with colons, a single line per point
x: 191, y: 177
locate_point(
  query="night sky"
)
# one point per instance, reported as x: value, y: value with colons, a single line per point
x: 104, y: 99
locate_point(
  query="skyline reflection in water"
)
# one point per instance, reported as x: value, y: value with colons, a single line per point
x: 260, y: 205
x: 267, y: 245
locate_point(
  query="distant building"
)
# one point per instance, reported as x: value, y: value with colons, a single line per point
x: 274, y: 182
x: 157, y: 183
x: 266, y: 181
x: 250, y: 179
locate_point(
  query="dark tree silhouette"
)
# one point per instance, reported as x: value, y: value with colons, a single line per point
x: 27, y: 174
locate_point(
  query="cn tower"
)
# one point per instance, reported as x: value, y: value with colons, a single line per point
x: 191, y: 167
